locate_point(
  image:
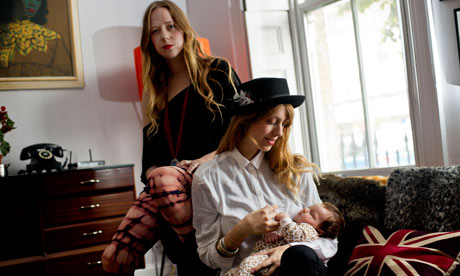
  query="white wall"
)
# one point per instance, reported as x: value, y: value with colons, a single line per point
x: 447, y: 75
x: 106, y: 114
x: 222, y: 22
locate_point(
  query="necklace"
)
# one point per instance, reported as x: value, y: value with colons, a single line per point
x: 175, y: 151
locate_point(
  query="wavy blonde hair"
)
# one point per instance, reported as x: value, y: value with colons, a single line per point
x: 155, y: 71
x: 287, y: 167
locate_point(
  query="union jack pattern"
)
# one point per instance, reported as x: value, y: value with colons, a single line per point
x: 405, y: 252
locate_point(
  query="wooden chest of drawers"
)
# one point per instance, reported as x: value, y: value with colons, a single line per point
x: 59, y: 223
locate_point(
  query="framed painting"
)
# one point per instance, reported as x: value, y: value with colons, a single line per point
x: 40, y: 45
x: 457, y: 28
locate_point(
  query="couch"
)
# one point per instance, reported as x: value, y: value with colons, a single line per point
x: 426, y: 199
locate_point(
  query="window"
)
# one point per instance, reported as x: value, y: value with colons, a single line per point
x: 357, y: 79
x: 366, y: 69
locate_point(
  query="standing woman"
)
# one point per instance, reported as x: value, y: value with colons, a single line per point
x: 187, y: 108
x: 237, y: 194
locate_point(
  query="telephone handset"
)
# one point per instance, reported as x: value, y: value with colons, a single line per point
x: 42, y: 157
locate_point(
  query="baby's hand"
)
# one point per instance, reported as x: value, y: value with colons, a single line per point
x: 281, y: 215
x: 272, y: 237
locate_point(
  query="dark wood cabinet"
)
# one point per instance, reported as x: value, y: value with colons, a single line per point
x: 59, y: 223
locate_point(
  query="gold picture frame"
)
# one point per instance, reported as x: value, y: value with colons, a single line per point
x: 49, y: 56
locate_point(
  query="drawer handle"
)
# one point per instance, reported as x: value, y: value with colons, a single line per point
x: 87, y: 234
x: 91, y: 181
x: 92, y: 206
x: 94, y: 263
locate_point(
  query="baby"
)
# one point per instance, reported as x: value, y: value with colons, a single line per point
x: 319, y: 220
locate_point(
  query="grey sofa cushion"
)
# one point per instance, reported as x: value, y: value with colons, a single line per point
x: 423, y: 198
x: 361, y: 202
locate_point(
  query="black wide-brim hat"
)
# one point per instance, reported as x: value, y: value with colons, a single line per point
x: 263, y: 93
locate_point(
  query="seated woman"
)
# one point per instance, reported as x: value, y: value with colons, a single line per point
x: 236, y: 195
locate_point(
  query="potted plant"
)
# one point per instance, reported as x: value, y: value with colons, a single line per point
x: 6, y: 125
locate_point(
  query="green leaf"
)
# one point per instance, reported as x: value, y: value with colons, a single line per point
x: 4, y: 148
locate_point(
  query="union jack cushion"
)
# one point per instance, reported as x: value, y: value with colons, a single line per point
x: 405, y: 252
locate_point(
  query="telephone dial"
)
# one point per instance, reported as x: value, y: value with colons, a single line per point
x: 42, y: 157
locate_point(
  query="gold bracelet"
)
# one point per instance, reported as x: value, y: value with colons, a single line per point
x: 220, y: 250
x: 228, y: 252
x: 220, y: 247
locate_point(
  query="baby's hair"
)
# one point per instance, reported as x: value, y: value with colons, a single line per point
x: 333, y: 224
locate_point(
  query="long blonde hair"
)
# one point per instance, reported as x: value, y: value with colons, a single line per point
x: 155, y: 71
x: 286, y: 167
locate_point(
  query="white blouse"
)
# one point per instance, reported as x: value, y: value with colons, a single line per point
x: 228, y: 188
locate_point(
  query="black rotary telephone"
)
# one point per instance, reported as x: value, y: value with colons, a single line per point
x: 43, y: 157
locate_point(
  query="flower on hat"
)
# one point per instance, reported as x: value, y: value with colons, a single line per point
x: 243, y: 98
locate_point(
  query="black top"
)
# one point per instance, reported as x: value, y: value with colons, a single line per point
x: 202, y: 130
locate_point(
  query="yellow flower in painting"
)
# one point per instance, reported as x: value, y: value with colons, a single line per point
x: 24, y: 46
x: 39, y: 41
x: 24, y: 36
